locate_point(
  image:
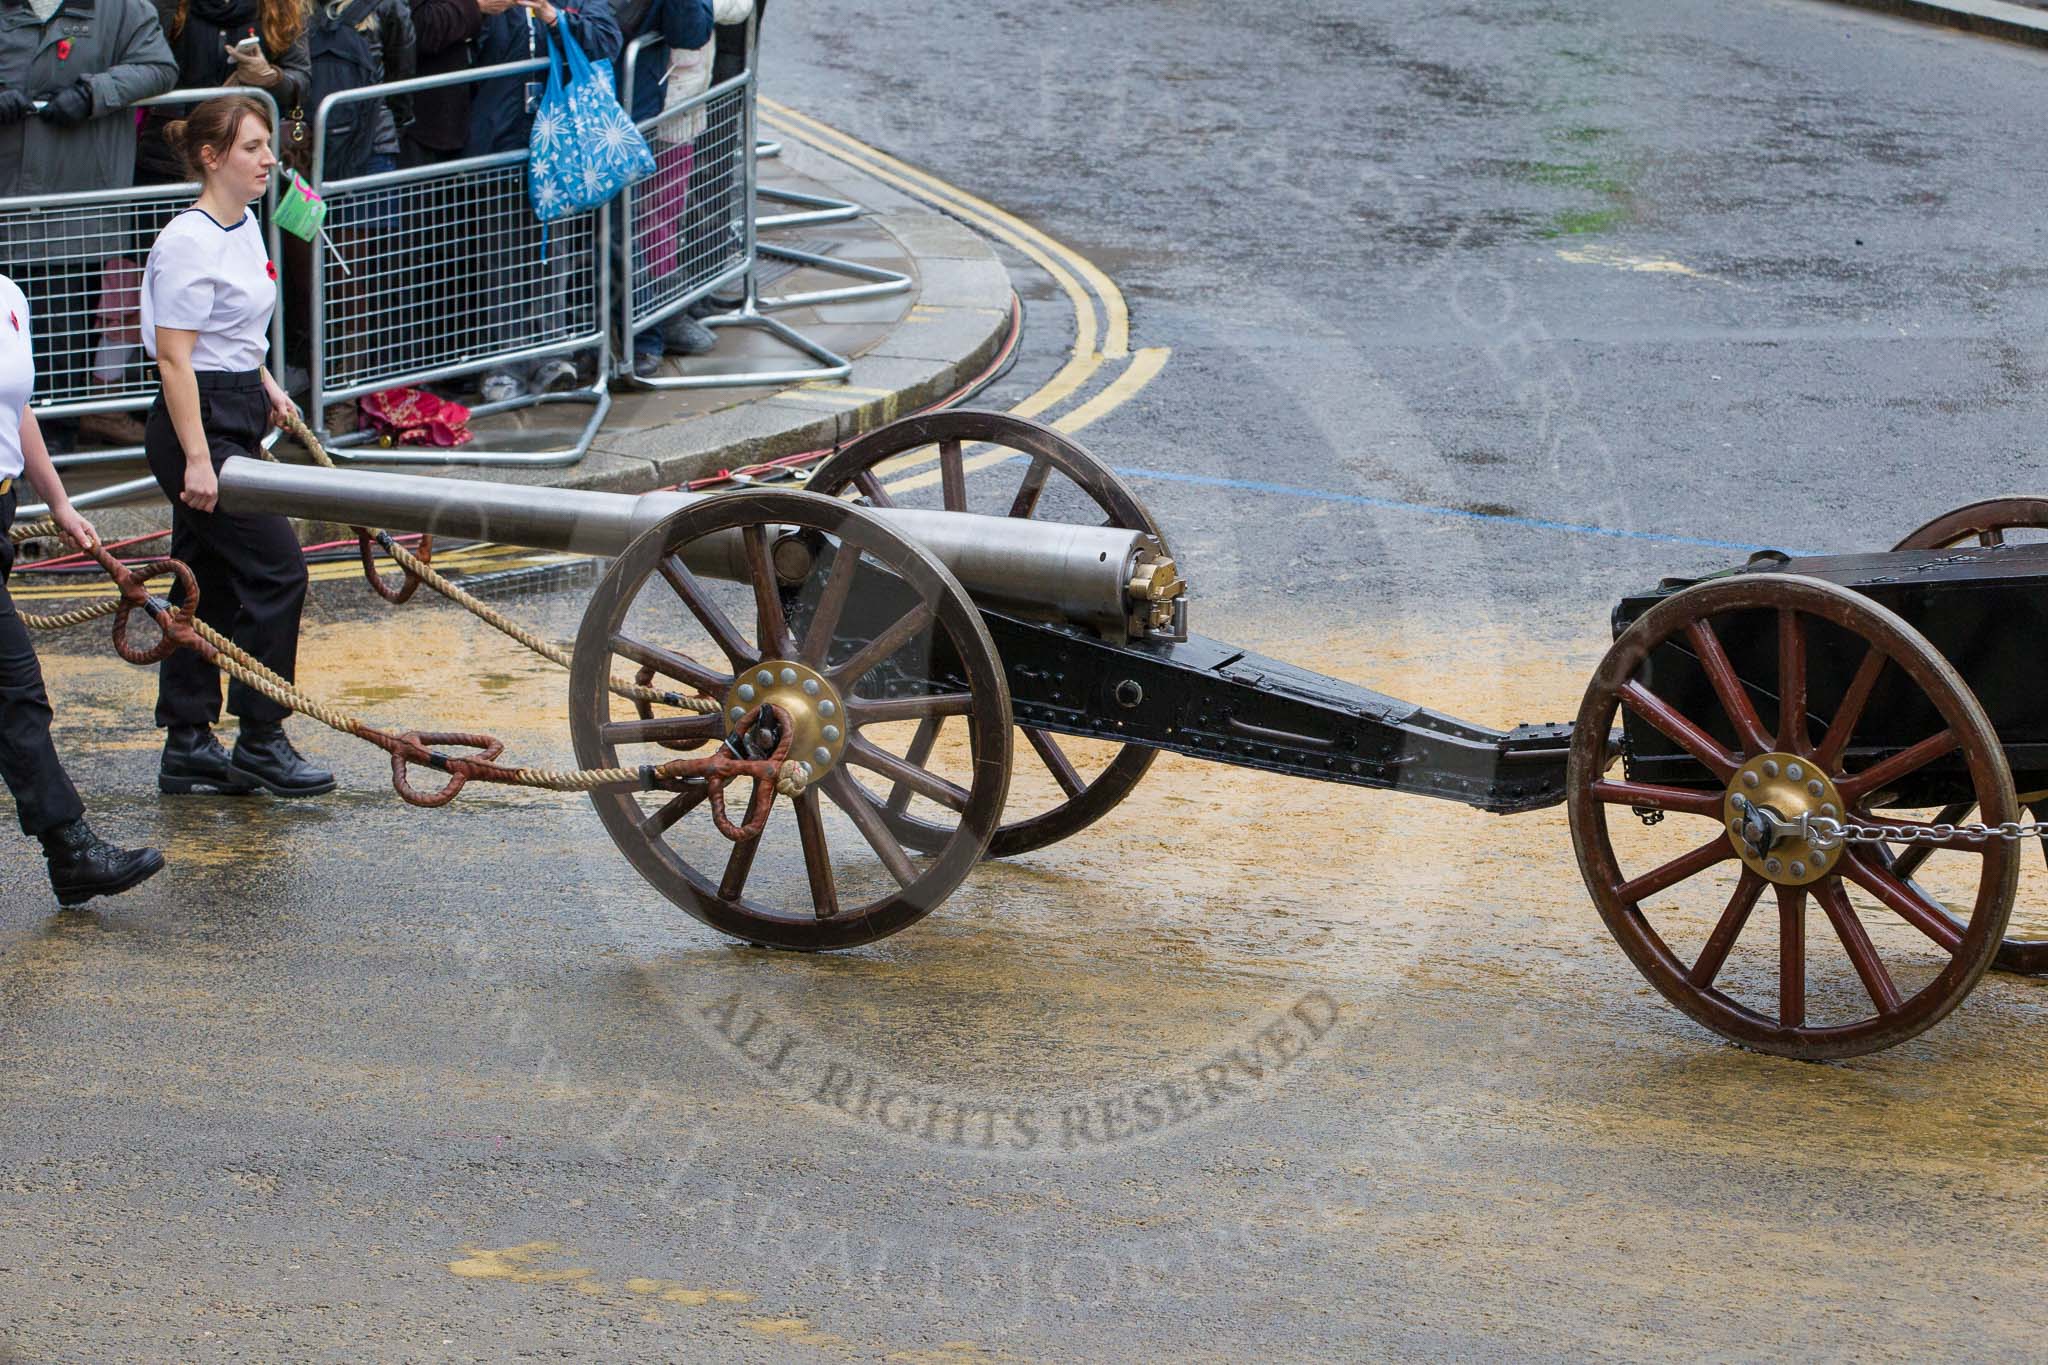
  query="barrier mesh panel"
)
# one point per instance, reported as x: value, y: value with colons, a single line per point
x: 686, y: 221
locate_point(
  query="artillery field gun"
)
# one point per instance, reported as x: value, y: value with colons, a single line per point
x: 910, y: 656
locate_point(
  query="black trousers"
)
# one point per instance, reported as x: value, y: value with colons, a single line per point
x: 43, y: 795
x: 250, y: 570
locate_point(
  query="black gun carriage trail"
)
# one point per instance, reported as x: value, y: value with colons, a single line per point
x: 917, y: 639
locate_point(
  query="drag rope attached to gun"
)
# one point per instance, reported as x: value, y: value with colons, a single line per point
x: 180, y: 628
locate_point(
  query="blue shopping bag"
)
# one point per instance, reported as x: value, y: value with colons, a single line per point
x: 583, y: 149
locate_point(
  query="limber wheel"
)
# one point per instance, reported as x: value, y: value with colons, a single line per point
x: 1060, y: 482
x: 1986, y: 523
x: 1683, y: 920
x: 704, y: 599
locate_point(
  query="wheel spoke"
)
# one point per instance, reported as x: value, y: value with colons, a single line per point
x: 1056, y: 761
x: 817, y: 646
x: 923, y: 781
x: 1728, y: 687
x: 774, y: 626
x: 888, y: 709
x: 810, y: 827
x: 1904, y: 901
x: 661, y: 728
x: 1679, y: 730
x: 847, y: 795
x: 870, y: 485
x: 881, y: 647
x: 1990, y: 538
x: 1677, y: 870
x: 672, y: 810
x: 952, y: 476
x: 1879, y: 775
x: 1908, y: 862
x: 1791, y: 956
x: 737, y: 865
x: 1729, y: 928
x: 1792, y: 729
x: 707, y: 680
x: 1836, y: 742
x: 1676, y: 799
x: 1033, y: 487
x: 1856, y: 942
x: 708, y: 613
x: 920, y: 751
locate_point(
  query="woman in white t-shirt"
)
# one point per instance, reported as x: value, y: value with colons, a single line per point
x: 208, y: 293
x: 82, y: 865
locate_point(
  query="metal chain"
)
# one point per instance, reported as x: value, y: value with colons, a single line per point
x: 1824, y: 832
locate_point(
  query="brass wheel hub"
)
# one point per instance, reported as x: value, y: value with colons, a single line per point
x: 1768, y: 792
x: 817, y: 713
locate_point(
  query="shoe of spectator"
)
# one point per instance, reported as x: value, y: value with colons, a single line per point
x: 111, y: 428
x: 554, y: 374
x: 500, y: 386
x: 646, y: 364
x: 684, y: 335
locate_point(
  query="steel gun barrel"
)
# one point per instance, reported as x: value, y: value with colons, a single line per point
x: 1099, y: 577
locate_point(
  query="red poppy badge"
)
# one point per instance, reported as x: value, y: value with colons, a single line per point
x: 270, y: 269
x: 63, y: 49
x: 13, y: 318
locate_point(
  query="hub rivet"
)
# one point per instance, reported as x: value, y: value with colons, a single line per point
x: 1794, y: 772
x: 1799, y: 869
x: 738, y: 713
x: 789, y: 676
x: 1770, y: 767
x: 831, y: 734
x: 1828, y: 809
x: 1773, y: 866
x: 828, y: 707
x: 822, y: 754
x: 746, y: 691
x: 810, y: 687
x: 1734, y: 826
x: 765, y: 678
x: 1749, y: 779
x: 1814, y: 788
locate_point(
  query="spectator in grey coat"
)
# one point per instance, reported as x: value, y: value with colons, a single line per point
x: 69, y: 72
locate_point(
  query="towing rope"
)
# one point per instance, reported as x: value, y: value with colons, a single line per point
x: 180, y: 628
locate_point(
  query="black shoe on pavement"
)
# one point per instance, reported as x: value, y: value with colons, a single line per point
x: 684, y: 335
x: 83, y: 865
x: 194, y: 762
x: 264, y: 756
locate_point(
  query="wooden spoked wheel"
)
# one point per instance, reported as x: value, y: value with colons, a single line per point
x: 706, y: 599
x: 1980, y: 523
x: 1060, y: 481
x: 1984, y: 523
x: 1683, y: 919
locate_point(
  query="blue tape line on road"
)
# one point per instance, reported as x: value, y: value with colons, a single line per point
x: 1394, y: 505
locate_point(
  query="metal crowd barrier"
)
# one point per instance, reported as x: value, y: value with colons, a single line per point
x: 444, y: 271
x: 79, y: 259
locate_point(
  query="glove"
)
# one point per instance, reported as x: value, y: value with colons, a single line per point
x: 70, y: 106
x: 14, y: 107
x: 251, y: 67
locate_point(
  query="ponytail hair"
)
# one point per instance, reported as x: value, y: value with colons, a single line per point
x: 214, y: 124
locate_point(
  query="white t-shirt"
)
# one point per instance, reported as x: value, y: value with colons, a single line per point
x: 17, y: 375
x: 213, y: 280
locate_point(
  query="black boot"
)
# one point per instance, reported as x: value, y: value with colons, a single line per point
x: 193, y: 761
x: 83, y: 865
x: 266, y: 757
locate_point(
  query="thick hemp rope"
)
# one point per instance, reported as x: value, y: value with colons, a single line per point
x: 181, y: 628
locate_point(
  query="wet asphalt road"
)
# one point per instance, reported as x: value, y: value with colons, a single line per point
x: 355, y: 1082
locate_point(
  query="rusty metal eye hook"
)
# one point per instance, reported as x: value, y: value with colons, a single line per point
x: 174, y: 623
x: 763, y: 798
x: 409, y: 584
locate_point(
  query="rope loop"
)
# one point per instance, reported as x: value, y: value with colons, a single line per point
x: 763, y: 798
x: 174, y: 623
x: 408, y: 584
x: 414, y: 746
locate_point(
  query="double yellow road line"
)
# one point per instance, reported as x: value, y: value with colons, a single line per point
x: 1102, y: 320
